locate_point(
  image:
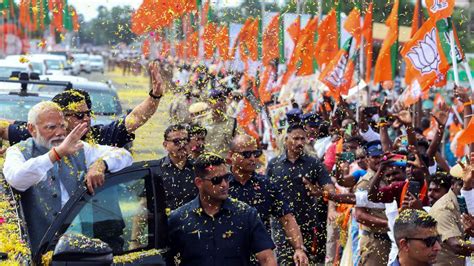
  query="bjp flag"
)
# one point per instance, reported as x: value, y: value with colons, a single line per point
x: 337, y: 75
x: 440, y: 8
x: 424, y: 56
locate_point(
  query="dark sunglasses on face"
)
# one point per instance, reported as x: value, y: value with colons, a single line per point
x: 248, y: 154
x: 80, y: 115
x: 429, y: 241
x: 179, y: 141
x: 217, y: 180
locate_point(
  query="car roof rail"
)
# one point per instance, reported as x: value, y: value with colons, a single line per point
x: 24, y: 79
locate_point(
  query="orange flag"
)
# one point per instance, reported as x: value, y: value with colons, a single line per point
x: 246, y: 116
x: 265, y: 89
x: 337, y: 75
x: 368, y: 36
x: 326, y: 47
x: 251, y: 40
x: 193, y: 45
x: 294, y: 29
x: 146, y: 48
x: 385, y: 60
x: 411, y: 94
x: 209, y: 40
x: 240, y: 37
x: 440, y: 8
x: 270, y: 41
x: 424, y: 56
x: 205, y: 11
x: 247, y: 40
x: 416, y: 19
x: 222, y: 42
x: 467, y: 135
x: 305, y: 48
x: 352, y: 25
x: 301, y: 60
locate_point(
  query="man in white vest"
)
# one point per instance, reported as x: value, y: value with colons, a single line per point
x: 48, y: 167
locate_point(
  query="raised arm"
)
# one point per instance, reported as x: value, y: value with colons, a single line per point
x: 383, y: 127
x: 441, y: 118
x: 145, y: 110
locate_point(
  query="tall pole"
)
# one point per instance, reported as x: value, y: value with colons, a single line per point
x: 418, y: 105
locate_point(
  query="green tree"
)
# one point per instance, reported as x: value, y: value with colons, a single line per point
x: 110, y: 27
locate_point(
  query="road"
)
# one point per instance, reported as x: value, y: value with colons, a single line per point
x: 148, y: 144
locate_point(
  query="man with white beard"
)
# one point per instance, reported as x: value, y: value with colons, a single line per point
x: 48, y: 167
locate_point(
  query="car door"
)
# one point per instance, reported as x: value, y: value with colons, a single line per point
x: 127, y: 213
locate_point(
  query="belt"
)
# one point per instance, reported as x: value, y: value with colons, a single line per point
x: 380, y: 236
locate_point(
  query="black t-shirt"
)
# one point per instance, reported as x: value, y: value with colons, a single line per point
x: 113, y: 134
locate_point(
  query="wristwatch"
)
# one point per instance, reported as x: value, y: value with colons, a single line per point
x: 154, y: 96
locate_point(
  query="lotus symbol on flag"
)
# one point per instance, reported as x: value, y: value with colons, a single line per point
x: 438, y: 5
x: 336, y: 77
x: 425, y: 56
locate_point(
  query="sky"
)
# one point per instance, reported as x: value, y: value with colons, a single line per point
x: 89, y: 7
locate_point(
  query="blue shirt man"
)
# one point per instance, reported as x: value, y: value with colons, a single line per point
x: 257, y: 191
x: 287, y: 172
x: 213, y: 229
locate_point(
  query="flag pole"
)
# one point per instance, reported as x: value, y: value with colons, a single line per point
x: 468, y: 73
x: 418, y: 105
x: 453, y: 58
x: 361, y: 65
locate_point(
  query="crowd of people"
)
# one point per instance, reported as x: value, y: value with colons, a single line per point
x: 340, y: 184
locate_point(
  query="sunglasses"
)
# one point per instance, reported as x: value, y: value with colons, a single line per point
x: 217, y: 180
x: 179, y: 141
x: 429, y: 241
x: 80, y: 115
x: 248, y: 154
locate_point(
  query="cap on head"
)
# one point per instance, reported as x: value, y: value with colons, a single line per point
x: 374, y: 148
x: 294, y: 116
x: 311, y: 119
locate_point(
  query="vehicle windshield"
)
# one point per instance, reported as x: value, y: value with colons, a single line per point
x: 37, y: 67
x: 104, y: 103
x: 81, y: 57
x: 5, y: 72
x: 16, y: 110
x: 54, y: 64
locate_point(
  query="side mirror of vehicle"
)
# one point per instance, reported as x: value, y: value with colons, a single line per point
x: 129, y: 110
x: 75, y: 249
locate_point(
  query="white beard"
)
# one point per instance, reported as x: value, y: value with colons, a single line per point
x: 49, y: 144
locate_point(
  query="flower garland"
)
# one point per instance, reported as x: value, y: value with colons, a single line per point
x: 11, y: 240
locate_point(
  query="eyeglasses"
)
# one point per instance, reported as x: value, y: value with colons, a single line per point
x: 217, y: 180
x: 248, y: 154
x: 180, y: 141
x: 429, y: 241
x: 80, y: 115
